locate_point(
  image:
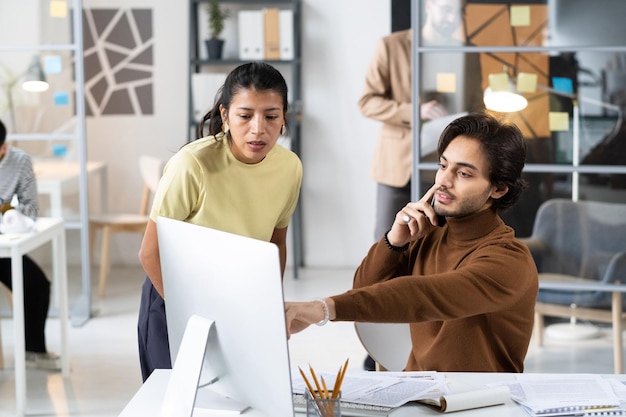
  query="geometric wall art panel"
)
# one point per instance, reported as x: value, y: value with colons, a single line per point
x: 119, y: 64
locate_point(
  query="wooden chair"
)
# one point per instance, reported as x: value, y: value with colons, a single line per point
x: 581, y: 242
x: 151, y: 169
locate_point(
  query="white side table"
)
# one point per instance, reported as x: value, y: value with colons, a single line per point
x: 14, y: 246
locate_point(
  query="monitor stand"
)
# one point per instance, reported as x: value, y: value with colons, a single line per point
x: 208, y: 402
x: 182, y: 397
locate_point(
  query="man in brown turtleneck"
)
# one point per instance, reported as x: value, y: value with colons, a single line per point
x: 465, y: 284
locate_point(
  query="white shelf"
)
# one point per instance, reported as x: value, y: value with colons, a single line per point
x: 199, y: 63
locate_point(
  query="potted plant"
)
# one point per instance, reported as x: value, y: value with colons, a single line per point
x: 216, y: 18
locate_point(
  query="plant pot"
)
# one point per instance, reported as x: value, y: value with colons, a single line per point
x: 214, y: 48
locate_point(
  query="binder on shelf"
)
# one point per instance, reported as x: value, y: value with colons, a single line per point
x: 251, y: 37
x: 271, y: 32
x: 285, y: 28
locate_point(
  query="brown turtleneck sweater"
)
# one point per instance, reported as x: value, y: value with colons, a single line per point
x: 468, y: 289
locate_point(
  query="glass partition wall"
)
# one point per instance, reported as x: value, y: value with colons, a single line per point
x: 566, y: 58
x: 49, y: 124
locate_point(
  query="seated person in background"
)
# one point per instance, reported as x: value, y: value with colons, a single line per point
x: 18, y: 178
x: 465, y: 284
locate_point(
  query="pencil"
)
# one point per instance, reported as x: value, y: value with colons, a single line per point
x: 339, y: 379
x: 306, y: 381
x: 317, y: 384
x: 325, y: 388
x: 345, y: 367
x: 328, y: 407
x: 336, y: 384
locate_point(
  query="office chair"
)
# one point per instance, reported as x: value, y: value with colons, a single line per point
x: 574, y: 242
x: 151, y: 169
x: 389, y: 344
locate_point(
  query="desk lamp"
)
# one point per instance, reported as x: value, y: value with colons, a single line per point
x: 34, y: 81
x: 502, y: 96
x: 34, y: 77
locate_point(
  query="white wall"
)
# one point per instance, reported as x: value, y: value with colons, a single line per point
x: 119, y: 140
x: 337, y: 141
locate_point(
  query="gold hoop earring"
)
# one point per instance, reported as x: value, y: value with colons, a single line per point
x: 283, y: 130
x: 225, y: 128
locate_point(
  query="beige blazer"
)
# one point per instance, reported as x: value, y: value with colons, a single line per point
x: 387, y: 98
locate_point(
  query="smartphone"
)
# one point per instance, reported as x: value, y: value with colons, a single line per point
x: 441, y: 220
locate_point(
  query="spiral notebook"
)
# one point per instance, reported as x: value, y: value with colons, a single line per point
x: 547, y: 395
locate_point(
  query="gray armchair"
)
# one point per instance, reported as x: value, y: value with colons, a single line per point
x: 576, y: 244
x: 584, y: 239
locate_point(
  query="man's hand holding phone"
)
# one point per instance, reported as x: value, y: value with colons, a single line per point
x: 415, y: 220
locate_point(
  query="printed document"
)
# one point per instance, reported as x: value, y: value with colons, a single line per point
x: 550, y: 395
x: 386, y: 389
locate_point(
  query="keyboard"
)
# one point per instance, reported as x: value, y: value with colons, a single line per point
x: 347, y: 409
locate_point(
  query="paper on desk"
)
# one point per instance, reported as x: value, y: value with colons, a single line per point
x: 385, y: 389
x: 467, y: 400
x: 619, y: 388
x: 554, y: 395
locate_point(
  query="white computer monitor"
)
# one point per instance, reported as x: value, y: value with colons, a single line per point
x: 236, y: 282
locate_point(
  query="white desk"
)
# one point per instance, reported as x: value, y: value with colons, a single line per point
x: 14, y: 246
x: 147, y: 401
x: 56, y: 178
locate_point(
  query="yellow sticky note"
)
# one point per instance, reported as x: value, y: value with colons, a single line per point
x: 526, y: 82
x: 499, y: 81
x: 520, y: 15
x: 58, y: 8
x: 446, y: 82
x: 558, y: 121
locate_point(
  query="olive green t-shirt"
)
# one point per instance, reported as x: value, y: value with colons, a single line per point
x: 204, y: 184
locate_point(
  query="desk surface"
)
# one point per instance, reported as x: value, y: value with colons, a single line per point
x: 52, y: 170
x: 147, y: 401
x: 45, y: 228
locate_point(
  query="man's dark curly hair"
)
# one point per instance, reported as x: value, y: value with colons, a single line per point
x: 504, y: 148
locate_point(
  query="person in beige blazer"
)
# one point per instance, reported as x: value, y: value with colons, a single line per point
x: 387, y: 98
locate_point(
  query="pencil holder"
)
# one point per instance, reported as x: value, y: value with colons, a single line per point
x: 324, y: 405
